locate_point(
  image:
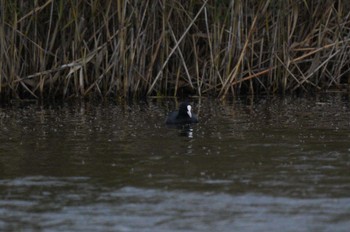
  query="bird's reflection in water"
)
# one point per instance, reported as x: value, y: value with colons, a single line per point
x: 186, y: 131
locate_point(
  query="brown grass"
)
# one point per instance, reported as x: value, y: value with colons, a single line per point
x: 62, y: 49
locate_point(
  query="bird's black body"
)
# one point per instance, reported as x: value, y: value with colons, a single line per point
x: 182, y: 116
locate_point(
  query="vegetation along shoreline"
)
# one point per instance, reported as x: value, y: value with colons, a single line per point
x: 130, y: 49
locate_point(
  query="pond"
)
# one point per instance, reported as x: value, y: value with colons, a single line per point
x: 249, y: 165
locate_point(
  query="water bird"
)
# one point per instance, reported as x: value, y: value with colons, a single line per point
x: 183, y: 116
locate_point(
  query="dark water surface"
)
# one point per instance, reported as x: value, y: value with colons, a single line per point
x: 263, y: 165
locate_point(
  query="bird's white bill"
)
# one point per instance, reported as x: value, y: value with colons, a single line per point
x: 189, y: 111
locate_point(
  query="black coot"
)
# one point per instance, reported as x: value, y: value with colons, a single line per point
x: 183, y: 116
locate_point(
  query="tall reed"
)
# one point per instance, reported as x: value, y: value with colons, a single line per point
x: 132, y: 48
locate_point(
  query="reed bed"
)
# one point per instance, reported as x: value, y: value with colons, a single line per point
x: 135, y: 48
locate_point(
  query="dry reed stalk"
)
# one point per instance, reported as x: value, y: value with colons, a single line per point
x: 228, y: 83
x: 134, y: 48
x: 181, y: 57
x: 175, y: 47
